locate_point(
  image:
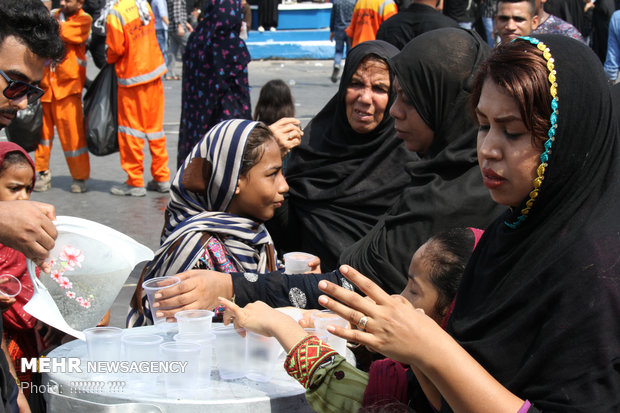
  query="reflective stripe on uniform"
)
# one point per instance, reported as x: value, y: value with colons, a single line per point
x: 141, y: 135
x: 118, y: 15
x: 77, y: 152
x: 145, y: 77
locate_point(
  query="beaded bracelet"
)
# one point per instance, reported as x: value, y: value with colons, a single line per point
x: 544, y: 157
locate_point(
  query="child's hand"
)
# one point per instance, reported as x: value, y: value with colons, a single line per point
x: 315, y: 266
x: 6, y: 302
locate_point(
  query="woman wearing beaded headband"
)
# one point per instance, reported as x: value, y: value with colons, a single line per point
x: 535, y: 324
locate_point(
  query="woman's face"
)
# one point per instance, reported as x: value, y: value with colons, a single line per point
x: 262, y: 189
x: 507, y: 158
x: 367, y: 96
x: 408, y: 123
x: 16, y: 182
x: 420, y: 291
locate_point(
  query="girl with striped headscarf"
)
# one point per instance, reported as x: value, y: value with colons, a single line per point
x: 227, y: 187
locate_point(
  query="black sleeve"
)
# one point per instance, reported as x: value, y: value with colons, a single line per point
x: 282, y: 290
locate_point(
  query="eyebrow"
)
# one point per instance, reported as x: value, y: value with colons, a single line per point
x: 17, y: 75
x: 501, y: 119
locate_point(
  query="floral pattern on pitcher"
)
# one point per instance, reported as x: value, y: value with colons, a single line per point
x: 68, y: 259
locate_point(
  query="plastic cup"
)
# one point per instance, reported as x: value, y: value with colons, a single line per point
x: 297, y: 262
x: 141, y: 348
x: 325, y: 318
x: 230, y: 352
x: 262, y: 354
x: 294, y: 313
x: 194, y: 321
x: 103, y: 343
x: 322, y: 334
x: 205, y: 341
x: 9, y: 285
x: 183, y: 360
x: 154, y: 285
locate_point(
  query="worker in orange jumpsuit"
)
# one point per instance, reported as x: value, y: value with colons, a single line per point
x: 134, y: 51
x: 367, y: 17
x: 62, y: 101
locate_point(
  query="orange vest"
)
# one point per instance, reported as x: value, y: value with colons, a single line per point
x: 132, y: 46
x: 68, y: 77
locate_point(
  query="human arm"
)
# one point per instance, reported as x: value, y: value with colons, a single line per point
x: 332, y: 384
x: 27, y: 227
x: 396, y: 329
x: 288, y: 134
x: 612, y: 60
x: 22, y: 402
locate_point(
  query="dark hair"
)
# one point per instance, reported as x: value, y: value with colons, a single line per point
x: 447, y: 254
x: 531, y: 3
x: 274, y: 102
x: 254, y: 149
x: 13, y: 158
x: 31, y: 23
x: 520, y: 69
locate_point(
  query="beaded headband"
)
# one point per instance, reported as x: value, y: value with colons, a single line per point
x: 544, y: 157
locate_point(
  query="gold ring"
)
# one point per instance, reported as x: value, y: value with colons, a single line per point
x: 362, y: 323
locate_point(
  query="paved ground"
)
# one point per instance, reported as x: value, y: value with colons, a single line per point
x: 142, y: 218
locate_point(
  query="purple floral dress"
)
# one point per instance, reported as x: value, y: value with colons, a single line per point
x: 215, y: 74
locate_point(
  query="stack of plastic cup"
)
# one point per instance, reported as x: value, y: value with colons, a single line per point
x: 325, y: 318
x: 230, y: 353
x: 194, y: 321
x: 262, y: 356
x: 297, y: 262
x: 205, y: 341
x: 152, y: 286
x: 322, y: 334
x: 10, y: 286
x: 103, y: 343
x: 140, y: 348
x: 183, y: 361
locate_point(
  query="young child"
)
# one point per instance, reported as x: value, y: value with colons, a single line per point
x: 434, y: 275
x: 275, y: 102
x: 227, y: 187
x: 17, y: 177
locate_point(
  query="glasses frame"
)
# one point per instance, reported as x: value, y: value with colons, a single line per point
x: 33, y: 93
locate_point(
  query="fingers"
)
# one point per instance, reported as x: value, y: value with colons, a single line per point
x: 48, y: 210
x: 355, y: 336
x: 351, y: 314
x: 369, y: 288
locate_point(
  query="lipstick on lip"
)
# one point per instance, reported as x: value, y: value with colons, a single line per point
x: 490, y: 179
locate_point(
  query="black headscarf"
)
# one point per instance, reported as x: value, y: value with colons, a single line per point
x: 539, y: 306
x: 341, y: 181
x: 435, y: 71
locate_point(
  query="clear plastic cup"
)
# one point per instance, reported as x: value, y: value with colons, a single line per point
x: 294, y: 313
x: 141, y: 348
x: 262, y: 355
x: 325, y: 318
x: 230, y: 352
x: 194, y: 321
x: 103, y: 343
x: 9, y: 285
x: 322, y: 334
x: 206, y: 353
x: 152, y: 286
x: 297, y: 262
x: 183, y: 360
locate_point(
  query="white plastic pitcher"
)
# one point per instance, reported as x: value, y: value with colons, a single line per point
x: 90, y: 263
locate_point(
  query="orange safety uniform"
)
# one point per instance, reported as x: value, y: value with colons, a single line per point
x: 62, y: 101
x: 139, y: 64
x: 367, y: 17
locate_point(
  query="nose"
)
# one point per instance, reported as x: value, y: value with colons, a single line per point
x: 488, y: 147
x: 396, y: 110
x: 512, y: 25
x: 366, y: 95
x: 21, y: 103
x: 282, y: 184
x: 22, y: 195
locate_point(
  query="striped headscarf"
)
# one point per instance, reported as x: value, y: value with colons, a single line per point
x: 190, y: 214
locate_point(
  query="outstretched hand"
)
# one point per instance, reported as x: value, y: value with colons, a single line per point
x: 259, y: 318
x: 198, y: 289
x: 27, y: 227
x: 393, y: 327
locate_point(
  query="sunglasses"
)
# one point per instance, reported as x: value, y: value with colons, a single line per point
x: 17, y: 89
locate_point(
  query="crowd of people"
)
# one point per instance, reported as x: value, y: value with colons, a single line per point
x: 459, y: 197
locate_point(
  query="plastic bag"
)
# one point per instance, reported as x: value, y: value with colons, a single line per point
x: 100, y: 113
x: 25, y: 129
